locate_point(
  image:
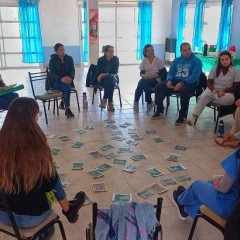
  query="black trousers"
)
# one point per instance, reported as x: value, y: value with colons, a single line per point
x: 108, y: 83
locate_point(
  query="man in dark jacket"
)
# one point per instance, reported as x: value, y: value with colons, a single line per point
x: 62, y: 73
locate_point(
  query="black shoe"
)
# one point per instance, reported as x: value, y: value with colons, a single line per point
x: 180, y: 189
x: 69, y: 113
x: 61, y: 105
x: 180, y: 208
x: 180, y: 121
x: 74, y: 206
x: 47, y: 234
x: 157, y: 115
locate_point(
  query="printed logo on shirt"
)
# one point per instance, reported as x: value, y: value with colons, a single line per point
x: 183, y: 70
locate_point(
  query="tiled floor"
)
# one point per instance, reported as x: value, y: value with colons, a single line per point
x: 202, y: 158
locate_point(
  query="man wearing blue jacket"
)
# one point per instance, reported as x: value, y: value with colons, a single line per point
x: 183, y: 78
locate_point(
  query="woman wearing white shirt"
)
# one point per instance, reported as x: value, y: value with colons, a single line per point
x: 223, y: 80
x: 152, y: 72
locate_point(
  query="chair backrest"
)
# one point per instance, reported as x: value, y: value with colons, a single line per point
x: 202, y: 84
x: 4, y: 206
x: 91, y: 75
x: 39, y: 81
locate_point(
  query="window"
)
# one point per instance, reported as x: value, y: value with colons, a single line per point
x: 188, y: 30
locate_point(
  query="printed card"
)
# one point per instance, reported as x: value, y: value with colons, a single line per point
x: 136, y: 137
x: 55, y: 151
x: 64, y: 138
x: 103, y: 167
x: 183, y: 178
x: 124, y: 150
x: 151, y: 131
x: 177, y: 168
x: 117, y: 197
x: 77, y: 166
x: 110, y: 156
x: 167, y: 181
x: 157, y: 139
x: 157, y: 188
x: 119, y: 161
x: 99, y: 187
x: 174, y: 157
x: 106, y: 147
x: 138, y: 157
x: 95, y: 173
x: 146, y: 193
x: 87, y: 200
x: 96, y: 154
x: 66, y: 185
x: 130, y: 168
x: 132, y: 142
x: 125, y: 125
x: 154, y: 172
x: 181, y: 148
x: 77, y: 145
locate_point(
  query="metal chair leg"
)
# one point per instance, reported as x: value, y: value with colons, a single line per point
x: 62, y: 230
x: 54, y: 105
x: 57, y: 106
x: 142, y: 97
x: 93, y: 96
x: 120, y: 97
x: 193, y: 227
x: 214, y: 110
x: 77, y: 101
x: 178, y: 103
x: 45, y: 112
x: 49, y: 104
x: 168, y: 103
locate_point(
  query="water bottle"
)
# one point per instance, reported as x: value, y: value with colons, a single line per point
x: 85, y: 102
x: 220, y: 132
x: 205, y: 49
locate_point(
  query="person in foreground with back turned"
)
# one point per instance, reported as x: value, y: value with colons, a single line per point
x: 27, y: 170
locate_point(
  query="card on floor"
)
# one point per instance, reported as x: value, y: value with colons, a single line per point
x: 110, y: 120
x: 99, y: 187
x: 112, y: 126
x: 157, y: 188
x: 117, y: 197
x: 55, y: 151
x: 81, y: 131
x: 183, y: 178
x: 117, y: 133
x: 130, y: 168
x: 50, y: 136
x: 146, y: 193
x: 132, y: 131
x: 177, y: 168
x: 62, y: 175
x: 125, y: 125
x: 178, y: 147
x: 77, y: 166
x: 157, y: 139
x: 87, y: 199
x: 154, y: 172
x: 106, y: 147
x: 56, y: 164
x: 167, y: 181
x: 138, y: 157
x: 96, y: 154
x: 110, y: 156
x: 66, y: 185
x: 95, y: 173
x: 103, y: 167
x: 174, y: 157
x: 124, y: 150
x: 132, y: 142
x: 119, y: 161
x: 89, y: 127
x: 136, y: 137
x: 118, y: 138
x: 77, y: 145
x: 64, y: 138
x: 151, y: 131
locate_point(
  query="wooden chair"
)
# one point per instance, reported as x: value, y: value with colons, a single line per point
x: 90, y: 231
x: 27, y: 233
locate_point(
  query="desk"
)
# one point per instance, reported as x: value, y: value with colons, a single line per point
x: 209, y: 62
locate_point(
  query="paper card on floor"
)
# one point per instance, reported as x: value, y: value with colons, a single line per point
x: 125, y: 125
x: 112, y: 126
x: 99, y: 187
x: 106, y: 147
x: 136, y: 137
x: 64, y: 138
x: 77, y: 145
x: 139, y: 157
x: 183, y: 178
x: 50, y: 136
x: 157, y: 139
x: 132, y: 131
x: 89, y: 127
x: 66, y: 185
x: 130, y: 168
x: 119, y: 161
x: 103, y: 167
x: 56, y: 164
x: 55, y: 151
x: 174, y: 157
x: 77, y: 166
x: 95, y: 173
x: 178, y: 147
x: 87, y: 199
x: 110, y: 156
x: 177, y: 168
x: 118, y: 138
x: 117, y: 133
x: 62, y: 176
x: 80, y: 131
x: 146, y: 193
x: 154, y: 172
x: 151, y: 131
x: 96, y: 154
x: 168, y: 181
x: 124, y: 150
x: 157, y: 188
x: 132, y: 142
x: 110, y: 120
x: 118, y: 197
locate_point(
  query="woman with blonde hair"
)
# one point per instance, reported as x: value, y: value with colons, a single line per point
x: 27, y: 170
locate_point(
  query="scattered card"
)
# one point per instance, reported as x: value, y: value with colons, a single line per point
x: 62, y: 176
x: 132, y: 142
x: 106, y: 147
x: 119, y: 161
x: 177, y: 168
x: 118, y: 138
x: 181, y: 148
x: 95, y: 173
x: 110, y: 156
x: 154, y: 172
x: 167, y: 181
x: 157, y: 139
x: 56, y: 164
x: 124, y: 150
x: 112, y: 126
x: 146, y: 193
x: 151, y: 131
x: 99, y: 187
x: 174, y: 157
x: 117, y: 197
x: 110, y: 120
x: 183, y: 178
x: 77, y: 166
x: 50, y: 136
x: 77, y: 145
x: 103, y: 167
x: 117, y: 133
x: 55, y: 151
x: 89, y: 127
x: 87, y: 199
x: 130, y: 168
x: 66, y: 185
x: 157, y: 188
x: 64, y: 138
x: 80, y: 131
x: 125, y: 125
x: 132, y: 131
x: 96, y: 154
x: 136, y: 137
x: 138, y: 157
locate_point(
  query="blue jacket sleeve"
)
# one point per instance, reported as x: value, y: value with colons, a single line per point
x: 172, y: 70
x: 196, y: 71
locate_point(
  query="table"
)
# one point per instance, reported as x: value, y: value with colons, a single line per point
x: 208, y: 62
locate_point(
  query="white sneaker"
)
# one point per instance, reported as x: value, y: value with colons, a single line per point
x: 191, y: 121
x: 136, y: 107
x: 149, y: 107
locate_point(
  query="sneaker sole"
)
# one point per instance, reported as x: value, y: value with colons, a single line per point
x: 178, y: 211
x: 180, y: 124
x: 155, y: 118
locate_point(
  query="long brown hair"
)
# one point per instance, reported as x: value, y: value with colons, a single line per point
x: 219, y: 65
x: 25, y: 157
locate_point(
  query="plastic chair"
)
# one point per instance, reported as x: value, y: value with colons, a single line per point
x: 27, y: 233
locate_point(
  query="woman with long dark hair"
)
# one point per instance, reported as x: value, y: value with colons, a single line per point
x: 223, y: 80
x: 27, y: 170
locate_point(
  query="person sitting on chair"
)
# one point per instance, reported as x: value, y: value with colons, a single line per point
x: 223, y: 80
x: 152, y: 72
x: 107, y: 69
x: 27, y: 169
x: 220, y: 195
x: 5, y: 100
x: 182, y: 77
x: 62, y: 73
x: 233, y: 139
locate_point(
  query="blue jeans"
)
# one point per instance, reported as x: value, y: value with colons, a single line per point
x: 204, y: 193
x: 5, y: 100
x: 108, y: 83
x: 66, y: 91
x: 31, y: 221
